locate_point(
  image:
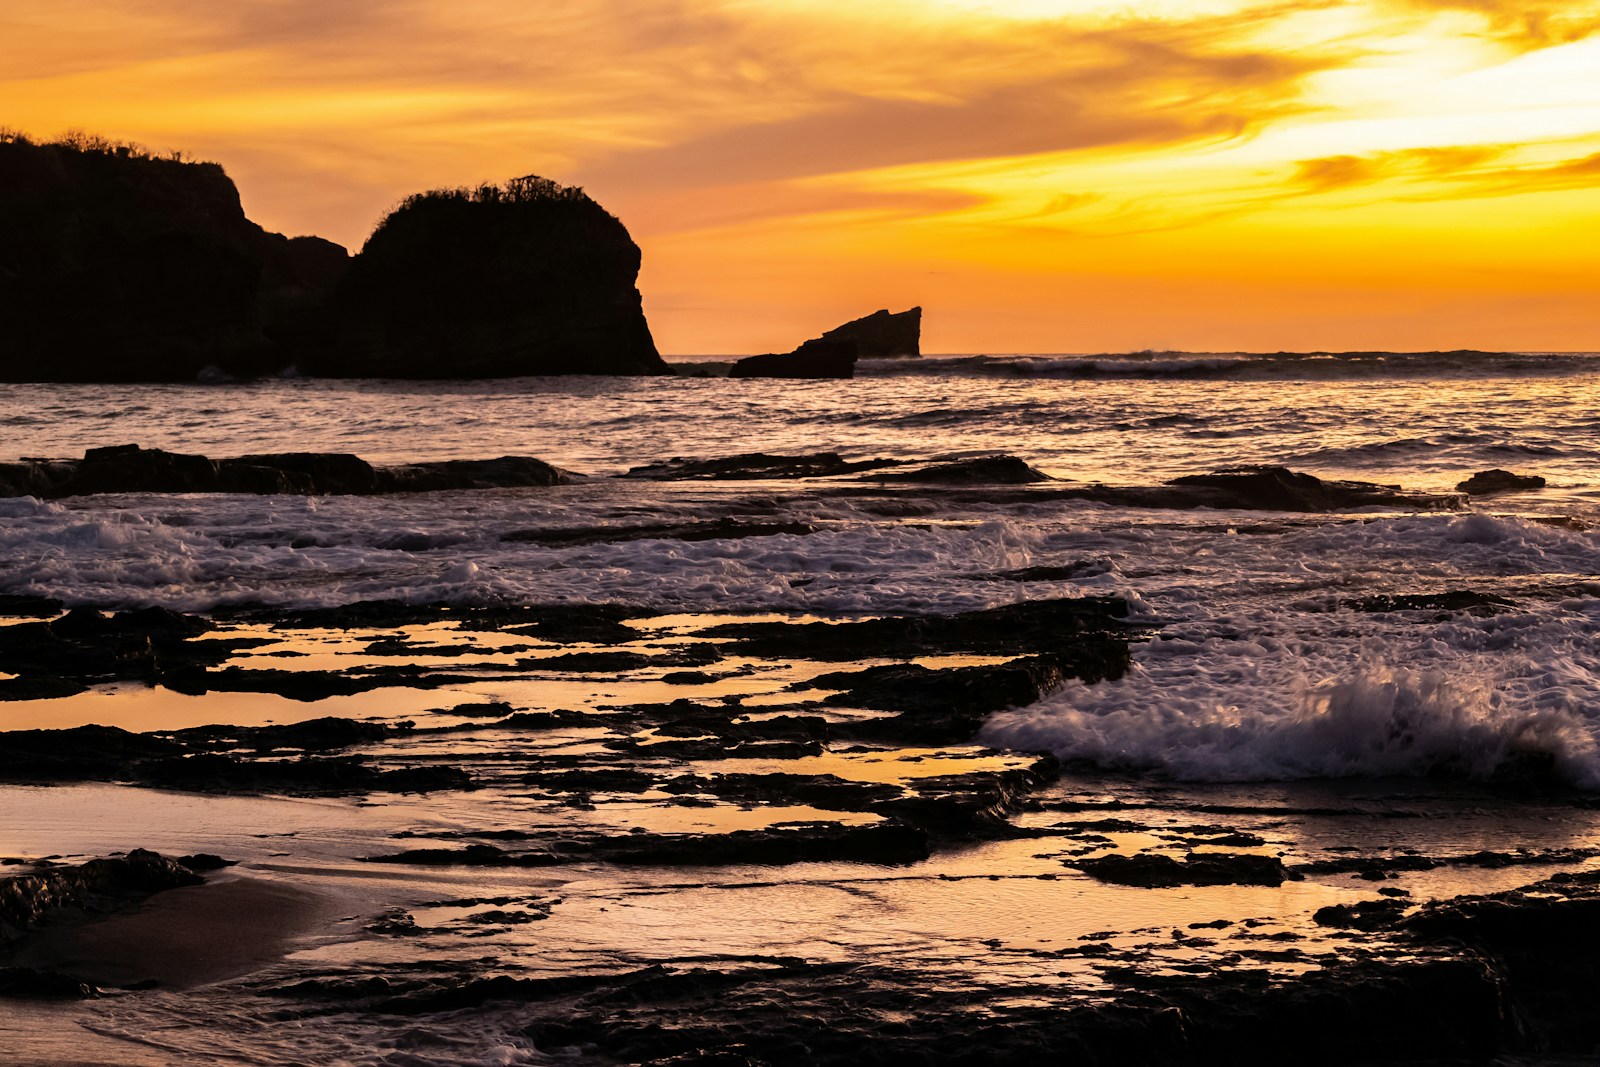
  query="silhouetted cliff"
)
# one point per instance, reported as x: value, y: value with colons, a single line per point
x: 117, y: 265
x: 500, y: 281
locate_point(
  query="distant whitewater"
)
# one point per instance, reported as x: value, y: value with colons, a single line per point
x: 1286, y: 366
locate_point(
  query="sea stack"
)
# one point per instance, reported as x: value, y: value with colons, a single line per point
x: 526, y: 278
x: 882, y: 334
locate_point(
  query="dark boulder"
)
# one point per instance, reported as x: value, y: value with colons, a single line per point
x: 882, y: 334
x: 529, y: 278
x: 982, y: 470
x: 325, y: 472
x: 507, y: 472
x: 814, y: 359
x: 1498, y: 481
x: 1280, y: 489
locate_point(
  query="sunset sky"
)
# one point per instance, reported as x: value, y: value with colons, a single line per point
x: 1041, y: 175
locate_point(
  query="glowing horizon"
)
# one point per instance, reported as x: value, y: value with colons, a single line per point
x: 1041, y: 175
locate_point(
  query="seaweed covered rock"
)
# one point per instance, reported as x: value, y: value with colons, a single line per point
x: 529, y: 278
x: 119, y: 265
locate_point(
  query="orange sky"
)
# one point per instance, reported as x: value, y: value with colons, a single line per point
x: 1041, y: 175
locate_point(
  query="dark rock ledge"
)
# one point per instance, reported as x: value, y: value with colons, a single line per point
x: 131, y: 469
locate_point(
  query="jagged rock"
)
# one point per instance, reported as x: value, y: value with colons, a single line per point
x: 882, y: 334
x: 1499, y: 481
x: 814, y: 359
x: 500, y: 281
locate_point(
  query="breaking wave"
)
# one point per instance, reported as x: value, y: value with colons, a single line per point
x: 1377, y: 722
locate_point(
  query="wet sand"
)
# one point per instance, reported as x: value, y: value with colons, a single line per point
x: 184, y: 937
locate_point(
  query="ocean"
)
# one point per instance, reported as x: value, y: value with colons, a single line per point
x: 1372, y: 694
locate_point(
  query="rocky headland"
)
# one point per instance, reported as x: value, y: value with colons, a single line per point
x: 120, y: 265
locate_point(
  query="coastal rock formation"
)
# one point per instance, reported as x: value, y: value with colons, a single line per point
x: 131, y: 469
x: 1499, y: 481
x: 834, y: 354
x: 814, y: 359
x: 118, y: 265
x: 500, y: 281
x: 882, y: 334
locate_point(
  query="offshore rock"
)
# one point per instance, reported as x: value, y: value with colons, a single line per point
x: 117, y: 265
x: 529, y: 278
x: 1499, y: 481
x: 981, y: 470
x: 882, y: 334
x: 814, y: 359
